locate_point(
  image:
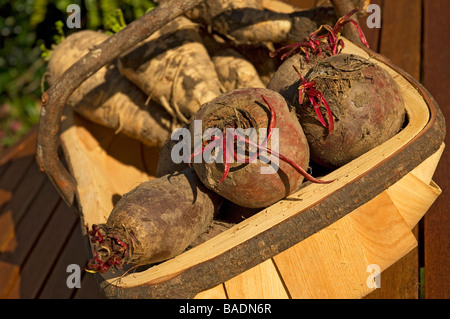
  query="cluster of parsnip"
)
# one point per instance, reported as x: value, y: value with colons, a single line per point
x: 267, y: 117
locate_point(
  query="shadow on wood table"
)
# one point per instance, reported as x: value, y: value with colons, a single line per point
x: 39, y: 235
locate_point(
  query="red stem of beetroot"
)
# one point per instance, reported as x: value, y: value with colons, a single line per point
x: 96, y: 264
x: 316, y: 98
x: 225, y: 149
x: 284, y: 158
x: 329, y: 42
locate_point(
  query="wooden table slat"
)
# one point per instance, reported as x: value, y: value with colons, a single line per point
x: 48, y: 248
x: 12, y: 177
x: 89, y: 288
x: 372, y: 34
x: 13, y: 211
x: 55, y: 287
x: 437, y: 80
x: 26, y: 234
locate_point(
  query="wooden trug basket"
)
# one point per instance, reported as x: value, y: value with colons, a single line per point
x: 320, y: 242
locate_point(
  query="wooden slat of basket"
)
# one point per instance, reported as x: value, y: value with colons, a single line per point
x: 260, y: 282
x: 329, y: 264
x: 414, y: 194
x: 413, y: 198
x: 334, y: 262
x: 217, y: 292
x: 111, y: 164
x: 382, y: 231
x: 427, y: 169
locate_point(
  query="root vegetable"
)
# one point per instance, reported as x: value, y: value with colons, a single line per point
x: 216, y: 228
x: 235, y: 71
x: 173, y: 68
x: 155, y: 221
x: 247, y: 22
x: 108, y: 98
x: 367, y: 109
x: 303, y: 55
x: 286, y: 79
x: 166, y: 164
x: 242, y: 179
x: 257, y: 55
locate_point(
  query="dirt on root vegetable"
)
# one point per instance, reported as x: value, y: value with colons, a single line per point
x: 247, y: 22
x: 107, y: 97
x: 366, y: 104
x: 235, y: 71
x: 174, y: 69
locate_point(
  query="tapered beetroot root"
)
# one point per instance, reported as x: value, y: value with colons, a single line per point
x: 155, y: 221
x: 173, y: 68
x: 107, y: 97
x: 166, y: 164
x: 242, y: 179
x: 366, y: 104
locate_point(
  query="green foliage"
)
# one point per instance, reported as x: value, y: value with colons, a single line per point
x: 29, y: 29
x: 115, y: 22
x: 57, y: 38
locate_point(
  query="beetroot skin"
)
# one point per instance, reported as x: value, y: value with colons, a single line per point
x: 244, y: 184
x: 366, y: 103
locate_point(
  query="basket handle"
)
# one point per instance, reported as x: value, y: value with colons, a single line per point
x: 55, y: 98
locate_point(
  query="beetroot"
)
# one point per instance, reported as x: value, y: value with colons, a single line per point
x: 366, y: 105
x: 242, y: 179
x: 153, y: 222
x: 324, y: 42
x: 286, y: 79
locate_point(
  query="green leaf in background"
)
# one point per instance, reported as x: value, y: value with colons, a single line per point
x: 115, y: 22
x: 29, y: 29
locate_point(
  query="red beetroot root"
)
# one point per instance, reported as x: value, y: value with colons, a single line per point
x: 243, y: 182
